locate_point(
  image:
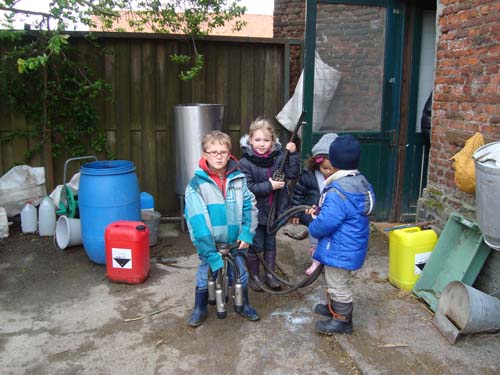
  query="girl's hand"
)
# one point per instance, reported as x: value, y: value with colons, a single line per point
x: 295, y: 220
x: 243, y: 245
x: 277, y: 184
x: 291, y: 147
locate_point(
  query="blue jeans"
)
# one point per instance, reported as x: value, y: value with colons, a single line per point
x: 263, y: 241
x: 202, y: 273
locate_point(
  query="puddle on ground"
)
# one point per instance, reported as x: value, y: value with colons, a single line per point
x: 295, y: 319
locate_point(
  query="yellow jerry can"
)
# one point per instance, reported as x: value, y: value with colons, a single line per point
x: 409, y: 250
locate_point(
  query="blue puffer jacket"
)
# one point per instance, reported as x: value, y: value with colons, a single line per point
x: 342, y: 226
x: 258, y: 170
x: 306, y: 191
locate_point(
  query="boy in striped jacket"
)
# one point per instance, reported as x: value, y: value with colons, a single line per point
x: 219, y: 207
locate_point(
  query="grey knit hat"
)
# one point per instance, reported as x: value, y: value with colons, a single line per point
x: 323, y: 145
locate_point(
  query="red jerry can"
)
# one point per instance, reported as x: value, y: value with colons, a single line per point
x: 127, y: 252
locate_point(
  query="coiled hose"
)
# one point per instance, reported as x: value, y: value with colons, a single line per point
x: 273, y: 228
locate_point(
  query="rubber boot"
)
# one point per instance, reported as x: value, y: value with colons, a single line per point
x: 199, y: 313
x: 270, y: 259
x: 247, y: 311
x: 253, y: 270
x: 323, y: 310
x: 340, y: 322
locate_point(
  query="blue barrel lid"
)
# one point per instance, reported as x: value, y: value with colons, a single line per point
x: 107, y: 167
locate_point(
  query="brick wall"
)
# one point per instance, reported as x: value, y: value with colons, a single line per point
x: 466, y: 100
x: 466, y: 97
x: 289, y: 23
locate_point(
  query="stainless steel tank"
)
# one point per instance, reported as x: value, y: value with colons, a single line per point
x: 487, y: 163
x: 191, y: 123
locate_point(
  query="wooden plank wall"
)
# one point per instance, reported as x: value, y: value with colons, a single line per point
x: 245, y: 76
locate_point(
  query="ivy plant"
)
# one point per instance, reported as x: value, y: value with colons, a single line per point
x: 56, y: 94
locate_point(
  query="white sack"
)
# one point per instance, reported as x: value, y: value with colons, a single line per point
x: 4, y: 224
x: 20, y: 185
x: 326, y: 80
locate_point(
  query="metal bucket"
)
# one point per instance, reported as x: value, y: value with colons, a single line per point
x: 463, y: 309
x: 152, y: 220
x: 191, y: 123
x: 487, y: 162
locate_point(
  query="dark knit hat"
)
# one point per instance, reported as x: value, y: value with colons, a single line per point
x: 344, y: 152
x: 323, y: 145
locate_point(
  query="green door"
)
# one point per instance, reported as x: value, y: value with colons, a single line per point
x: 421, y: 80
x: 362, y: 41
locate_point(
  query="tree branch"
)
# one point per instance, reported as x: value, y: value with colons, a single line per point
x: 16, y: 10
x: 97, y: 8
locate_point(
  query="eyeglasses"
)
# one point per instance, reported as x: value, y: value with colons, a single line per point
x: 214, y: 154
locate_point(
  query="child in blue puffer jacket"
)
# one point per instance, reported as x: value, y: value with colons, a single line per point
x: 342, y: 228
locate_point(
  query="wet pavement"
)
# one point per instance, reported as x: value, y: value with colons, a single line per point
x: 61, y: 315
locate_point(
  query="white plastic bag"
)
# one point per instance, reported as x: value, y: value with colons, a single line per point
x: 19, y: 185
x: 326, y: 80
x: 4, y: 224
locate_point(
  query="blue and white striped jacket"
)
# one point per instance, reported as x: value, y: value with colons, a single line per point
x: 211, y: 218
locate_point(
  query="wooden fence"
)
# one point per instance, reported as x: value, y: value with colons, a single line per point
x: 247, y: 76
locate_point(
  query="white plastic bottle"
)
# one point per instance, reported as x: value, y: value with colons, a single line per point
x: 46, y: 217
x: 28, y: 218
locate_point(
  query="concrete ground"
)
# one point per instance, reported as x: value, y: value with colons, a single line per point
x: 60, y: 315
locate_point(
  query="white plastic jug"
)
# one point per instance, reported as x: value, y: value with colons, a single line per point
x: 28, y: 218
x: 47, y: 217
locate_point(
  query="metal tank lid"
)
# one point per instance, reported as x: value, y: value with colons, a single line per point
x: 488, y: 154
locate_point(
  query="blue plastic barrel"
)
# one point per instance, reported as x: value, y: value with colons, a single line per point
x: 109, y: 192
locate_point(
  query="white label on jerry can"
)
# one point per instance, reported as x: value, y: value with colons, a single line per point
x: 420, y: 261
x: 122, y: 258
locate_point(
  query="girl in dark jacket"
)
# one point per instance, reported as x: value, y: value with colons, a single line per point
x: 311, y: 182
x: 261, y: 157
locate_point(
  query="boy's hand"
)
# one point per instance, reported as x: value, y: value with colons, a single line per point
x: 291, y: 147
x: 243, y: 245
x: 295, y: 220
x: 313, y: 211
x: 276, y: 184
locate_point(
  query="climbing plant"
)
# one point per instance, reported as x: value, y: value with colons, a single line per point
x: 54, y: 91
